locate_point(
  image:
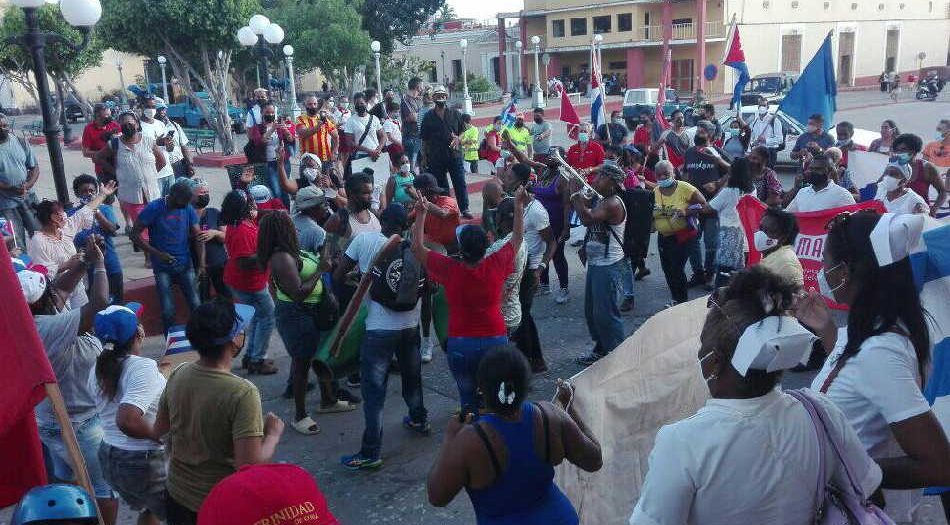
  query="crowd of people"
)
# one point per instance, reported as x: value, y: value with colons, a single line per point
x: 298, y: 252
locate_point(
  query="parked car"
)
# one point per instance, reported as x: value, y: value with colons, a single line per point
x: 638, y: 100
x: 188, y: 115
x: 772, y: 86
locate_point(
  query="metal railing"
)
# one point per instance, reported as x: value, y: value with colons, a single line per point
x: 654, y: 33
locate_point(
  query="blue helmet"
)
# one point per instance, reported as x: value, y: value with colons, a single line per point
x: 55, y: 502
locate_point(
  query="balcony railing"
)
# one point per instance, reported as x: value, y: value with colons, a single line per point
x: 654, y: 33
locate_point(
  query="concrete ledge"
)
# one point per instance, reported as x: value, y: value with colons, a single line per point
x: 218, y: 160
x: 143, y: 291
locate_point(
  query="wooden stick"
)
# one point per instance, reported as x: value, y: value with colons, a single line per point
x: 78, y: 463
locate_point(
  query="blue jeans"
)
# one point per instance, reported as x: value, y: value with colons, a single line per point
x: 465, y: 353
x: 602, y: 298
x: 412, y: 145
x: 184, y: 277
x: 443, y: 169
x: 273, y: 181
x: 628, y: 280
x: 709, y: 231
x: 376, y: 353
x: 262, y: 325
x: 89, y: 434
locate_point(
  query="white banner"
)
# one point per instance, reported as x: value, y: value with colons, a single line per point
x: 381, y: 173
x: 866, y: 167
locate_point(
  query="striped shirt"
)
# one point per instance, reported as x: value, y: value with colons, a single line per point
x: 320, y: 143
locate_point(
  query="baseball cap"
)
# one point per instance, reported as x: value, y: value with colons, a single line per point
x: 310, y: 197
x: 427, y: 182
x: 33, y: 284
x: 243, y: 315
x: 274, y: 493
x: 395, y: 214
x: 117, y: 323
x: 439, y: 90
x: 260, y: 193
x: 311, y: 156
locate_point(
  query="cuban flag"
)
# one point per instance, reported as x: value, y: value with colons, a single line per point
x: 734, y: 57
x: 176, y: 341
x: 930, y: 260
x: 509, y: 113
x: 597, y: 116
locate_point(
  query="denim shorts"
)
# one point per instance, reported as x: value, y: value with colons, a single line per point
x: 137, y: 475
x: 297, y: 326
x: 89, y: 434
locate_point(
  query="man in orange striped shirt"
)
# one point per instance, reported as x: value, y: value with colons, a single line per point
x: 317, y: 134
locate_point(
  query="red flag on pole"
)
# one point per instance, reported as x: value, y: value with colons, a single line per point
x: 568, y: 113
x: 661, y: 96
x: 25, y: 370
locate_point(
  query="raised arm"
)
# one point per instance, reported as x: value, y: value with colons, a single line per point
x: 418, y: 233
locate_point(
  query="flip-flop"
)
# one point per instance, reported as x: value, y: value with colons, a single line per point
x: 307, y: 426
x: 339, y: 406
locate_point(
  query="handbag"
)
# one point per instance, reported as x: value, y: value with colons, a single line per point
x: 837, y: 505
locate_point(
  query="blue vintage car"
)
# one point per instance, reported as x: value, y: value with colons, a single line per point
x: 188, y: 115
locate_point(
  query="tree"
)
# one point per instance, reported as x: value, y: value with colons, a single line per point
x: 445, y: 13
x: 198, y: 37
x: 326, y: 34
x: 398, y: 69
x: 62, y: 64
x: 396, y: 20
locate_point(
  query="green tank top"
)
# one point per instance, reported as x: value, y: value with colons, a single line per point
x: 311, y: 263
x: 400, y: 184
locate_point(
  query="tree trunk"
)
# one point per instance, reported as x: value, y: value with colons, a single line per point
x: 84, y: 104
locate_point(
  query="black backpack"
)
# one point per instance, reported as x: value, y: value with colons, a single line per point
x: 397, y: 279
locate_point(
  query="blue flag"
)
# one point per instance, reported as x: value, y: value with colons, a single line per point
x: 734, y: 57
x: 815, y: 90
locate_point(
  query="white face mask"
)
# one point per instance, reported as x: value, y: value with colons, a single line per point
x: 762, y: 241
x: 405, y: 168
x: 148, y: 113
x: 890, y: 183
x: 824, y: 287
x: 763, y: 110
x: 311, y: 174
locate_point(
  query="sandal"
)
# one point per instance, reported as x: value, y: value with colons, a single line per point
x: 307, y: 426
x: 339, y: 406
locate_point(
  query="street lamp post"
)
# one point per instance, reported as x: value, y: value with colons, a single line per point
x: 538, y: 95
x: 161, y: 65
x: 289, y: 54
x: 546, y: 61
x: 517, y: 81
x: 82, y: 14
x: 122, y: 97
x: 375, y: 47
x: 467, y: 104
x: 259, y: 32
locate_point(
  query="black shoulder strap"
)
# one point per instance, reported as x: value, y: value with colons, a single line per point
x: 547, y: 432
x: 369, y: 124
x: 491, y: 452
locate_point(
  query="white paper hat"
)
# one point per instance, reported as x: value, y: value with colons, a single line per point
x: 895, y: 235
x: 774, y: 343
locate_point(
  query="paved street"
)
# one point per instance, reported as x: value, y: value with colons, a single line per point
x: 396, y: 493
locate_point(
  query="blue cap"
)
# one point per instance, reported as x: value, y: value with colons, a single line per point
x: 117, y: 323
x: 55, y: 502
x: 243, y: 315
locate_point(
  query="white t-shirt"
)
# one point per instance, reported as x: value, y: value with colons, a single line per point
x: 746, y: 461
x: 362, y: 249
x: 725, y: 205
x: 535, y: 219
x: 156, y: 130
x: 875, y: 388
x: 180, y: 141
x: 140, y: 385
x: 393, y: 128
x: 906, y: 203
x: 356, y: 125
x: 831, y: 196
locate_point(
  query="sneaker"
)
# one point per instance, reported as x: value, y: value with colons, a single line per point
x: 543, y: 289
x: 561, y: 296
x: 419, y: 428
x: 627, y: 304
x: 358, y: 462
x: 353, y: 381
x: 588, y: 359
x: 345, y: 395
x: 426, y: 349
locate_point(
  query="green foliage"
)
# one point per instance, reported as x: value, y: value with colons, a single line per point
x: 480, y: 84
x: 60, y: 60
x: 326, y: 34
x: 398, y: 69
x: 396, y: 20
x: 445, y: 14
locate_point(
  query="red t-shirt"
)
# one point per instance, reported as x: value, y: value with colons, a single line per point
x: 241, y: 241
x: 473, y: 294
x: 273, y: 204
x: 95, y: 137
x: 442, y: 230
x: 588, y: 157
x: 641, y: 137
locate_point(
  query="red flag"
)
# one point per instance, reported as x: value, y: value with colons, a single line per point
x: 569, y: 114
x: 810, y: 243
x: 661, y: 96
x: 25, y: 370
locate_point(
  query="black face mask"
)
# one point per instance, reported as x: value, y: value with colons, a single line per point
x: 816, y: 179
x: 538, y: 120
x: 107, y: 120
x: 440, y: 103
x: 312, y: 112
x: 202, y: 201
x: 4, y: 134
x: 261, y: 102
x: 361, y: 109
x: 270, y: 118
x: 128, y: 130
x: 700, y: 140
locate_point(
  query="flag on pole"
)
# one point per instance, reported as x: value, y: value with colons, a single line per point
x: 597, y: 116
x: 661, y: 97
x: 734, y: 57
x: 568, y: 113
x: 815, y: 90
x: 509, y: 113
x: 26, y: 370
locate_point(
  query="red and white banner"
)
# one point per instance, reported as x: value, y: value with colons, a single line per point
x: 810, y: 243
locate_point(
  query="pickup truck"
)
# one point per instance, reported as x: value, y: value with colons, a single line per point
x: 188, y: 115
x: 772, y: 86
x: 638, y: 100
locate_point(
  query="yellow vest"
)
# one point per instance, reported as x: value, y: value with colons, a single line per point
x: 520, y: 138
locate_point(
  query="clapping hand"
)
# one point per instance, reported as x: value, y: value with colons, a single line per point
x: 110, y: 188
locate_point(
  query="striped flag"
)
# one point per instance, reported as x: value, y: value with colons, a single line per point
x: 597, y: 116
x: 509, y: 113
x: 176, y: 341
x: 734, y: 57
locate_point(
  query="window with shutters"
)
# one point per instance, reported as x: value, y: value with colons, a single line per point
x: 792, y: 53
x: 624, y: 22
x: 578, y: 26
x: 601, y: 24
x: 557, y: 28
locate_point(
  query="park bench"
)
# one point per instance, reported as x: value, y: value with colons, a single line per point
x: 34, y: 129
x: 201, y: 139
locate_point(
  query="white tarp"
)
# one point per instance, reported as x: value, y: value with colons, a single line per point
x: 650, y: 380
x: 866, y: 167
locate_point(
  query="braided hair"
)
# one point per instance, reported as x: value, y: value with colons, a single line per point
x: 276, y: 233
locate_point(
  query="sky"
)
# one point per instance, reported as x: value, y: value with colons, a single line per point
x: 482, y: 9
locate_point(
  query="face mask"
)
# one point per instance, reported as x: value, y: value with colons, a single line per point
x: 405, y: 168
x: 270, y: 118
x: 310, y: 174
x: 583, y: 138
x: 128, y: 130
x: 763, y: 110
x: 900, y: 158
x: 505, y: 154
x: 939, y: 135
x: 816, y: 179
x: 890, y: 184
x: 87, y: 199
x: 824, y: 287
x: 700, y: 140
x: 107, y: 120
x: 618, y: 121
x: 361, y: 109
x: 148, y: 113
x: 812, y: 128
x: 440, y: 103
x: 763, y: 242
x: 519, y: 123
x: 643, y: 122
x: 538, y: 120
x: 666, y: 183
x: 202, y: 201
x: 312, y: 112
x: 733, y: 132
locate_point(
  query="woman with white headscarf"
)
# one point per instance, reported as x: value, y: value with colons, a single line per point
x: 893, y: 192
